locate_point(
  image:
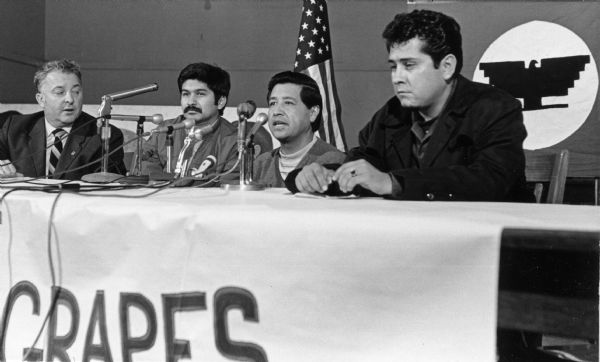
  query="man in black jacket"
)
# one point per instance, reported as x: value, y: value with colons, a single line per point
x: 60, y: 142
x: 442, y: 137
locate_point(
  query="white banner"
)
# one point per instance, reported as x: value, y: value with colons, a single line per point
x: 211, y: 276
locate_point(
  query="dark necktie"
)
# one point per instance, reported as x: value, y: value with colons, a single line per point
x: 56, y: 149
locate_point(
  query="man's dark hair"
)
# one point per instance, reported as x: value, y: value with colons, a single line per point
x: 440, y: 34
x: 216, y: 79
x: 309, y: 94
x: 62, y: 65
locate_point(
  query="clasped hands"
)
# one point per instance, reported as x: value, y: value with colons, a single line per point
x: 7, y: 169
x: 316, y: 178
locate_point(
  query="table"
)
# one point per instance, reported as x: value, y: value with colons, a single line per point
x: 211, y: 275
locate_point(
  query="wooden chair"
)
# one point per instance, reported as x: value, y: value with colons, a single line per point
x: 548, y: 168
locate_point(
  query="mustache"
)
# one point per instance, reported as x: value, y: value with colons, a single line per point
x: 192, y: 108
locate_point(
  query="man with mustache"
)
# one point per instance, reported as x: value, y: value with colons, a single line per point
x: 203, y: 90
x: 441, y: 137
x: 60, y: 142
x: 295, y: 105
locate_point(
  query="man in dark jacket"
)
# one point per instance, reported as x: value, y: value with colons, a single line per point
x: 442, y: 137
x: 60, y: 142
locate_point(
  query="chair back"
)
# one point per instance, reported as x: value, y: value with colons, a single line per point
x: 551, y: 168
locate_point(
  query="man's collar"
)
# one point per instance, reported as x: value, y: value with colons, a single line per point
x: 50, y: 128
x: 461, y: 97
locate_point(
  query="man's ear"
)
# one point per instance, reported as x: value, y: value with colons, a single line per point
x: 222, y: 102
x: 448, y: 66
x: 39, y: 97
x: 314, y: 112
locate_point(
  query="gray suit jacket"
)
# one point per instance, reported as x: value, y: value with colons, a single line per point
x: 266, y: 166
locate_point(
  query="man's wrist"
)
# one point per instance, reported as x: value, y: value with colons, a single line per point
x: 396, y: 186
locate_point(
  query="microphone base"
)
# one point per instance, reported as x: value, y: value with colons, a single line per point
x: 101, y: 177
x: 245, y: 187
x: 135, y: 180
x: 162, y: 176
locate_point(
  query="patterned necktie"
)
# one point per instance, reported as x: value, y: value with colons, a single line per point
x: 56, y: 149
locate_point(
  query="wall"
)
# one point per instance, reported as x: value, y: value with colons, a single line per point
x: 22, y: 34
x: 123, y: 44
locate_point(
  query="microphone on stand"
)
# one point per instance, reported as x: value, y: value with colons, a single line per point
x: 187, y: 124
x: 104, y: 131
x: 200, y: 132
x: 261, y: 119
x: 245, y: 110
x: 132, y: 92
x: 156, y: 118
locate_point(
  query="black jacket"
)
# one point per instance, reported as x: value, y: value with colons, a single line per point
x: 475, y: 153
x: 23, y: 141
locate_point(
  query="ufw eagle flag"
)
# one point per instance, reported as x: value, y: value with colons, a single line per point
x: 313, y: 57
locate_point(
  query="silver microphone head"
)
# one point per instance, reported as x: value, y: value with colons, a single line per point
x: 246, y: 109
x: 262, y: 118
x: 157, y: 119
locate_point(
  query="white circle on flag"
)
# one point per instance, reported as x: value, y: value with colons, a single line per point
x: 535, y: 41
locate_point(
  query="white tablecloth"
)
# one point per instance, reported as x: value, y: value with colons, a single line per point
x: 329, y: 279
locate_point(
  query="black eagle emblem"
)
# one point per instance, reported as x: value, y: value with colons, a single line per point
x: 552, y: 78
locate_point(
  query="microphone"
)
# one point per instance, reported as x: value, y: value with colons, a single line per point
x: 187, y: 124
x: 132, y: 92
x: 246, y: 109
x: 156, y: 118
x: 261, y: 119
x: 200, y: 132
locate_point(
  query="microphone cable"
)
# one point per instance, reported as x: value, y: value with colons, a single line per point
x: 54, y: 300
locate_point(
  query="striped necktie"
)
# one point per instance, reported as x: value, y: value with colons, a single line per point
x: 56, y: 149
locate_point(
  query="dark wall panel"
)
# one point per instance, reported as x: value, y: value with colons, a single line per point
x: 22, y: 29
x: 127, y: 43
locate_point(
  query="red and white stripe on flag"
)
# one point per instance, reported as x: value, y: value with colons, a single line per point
x: 314, y: 57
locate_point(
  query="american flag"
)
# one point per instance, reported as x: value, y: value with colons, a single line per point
x: 313, y: 57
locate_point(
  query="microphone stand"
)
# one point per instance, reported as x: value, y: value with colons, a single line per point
x: 169, y: 150
x: 139, y: 130
x: 104, y: 129
x: 246, y: 161
x: 135, y: 176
